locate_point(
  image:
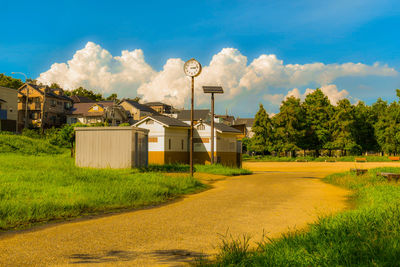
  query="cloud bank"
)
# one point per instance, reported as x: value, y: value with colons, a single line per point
x: 129, y: 75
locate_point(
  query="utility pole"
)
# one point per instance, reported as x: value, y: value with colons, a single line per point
x: 212, y: 90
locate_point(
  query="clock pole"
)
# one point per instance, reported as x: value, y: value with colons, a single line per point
x: 191, y: 129
x: 192, y: 68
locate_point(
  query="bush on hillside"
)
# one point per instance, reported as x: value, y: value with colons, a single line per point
x: 26, y: 145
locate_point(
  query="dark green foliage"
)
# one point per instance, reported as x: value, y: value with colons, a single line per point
x: 289, y: 125
x: 10, y: 82
x: 85, y: 92
x: 263, y: 135
x: 317, y: 126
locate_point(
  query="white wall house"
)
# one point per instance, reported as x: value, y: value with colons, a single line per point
x: 168, y: 139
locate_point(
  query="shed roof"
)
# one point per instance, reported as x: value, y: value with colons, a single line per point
x: 165, y: 120
x: 222, y: 128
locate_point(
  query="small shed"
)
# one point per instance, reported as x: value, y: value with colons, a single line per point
x: 111, y: 147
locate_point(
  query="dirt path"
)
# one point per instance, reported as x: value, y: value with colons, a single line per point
x: 286, y: 198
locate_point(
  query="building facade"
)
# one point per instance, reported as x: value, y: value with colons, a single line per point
x: 136, y: 110
x: 97, y: 112
x: 46, y: 107
x: 8, y: 109
x: 227, y: 150
x: 168, y: 139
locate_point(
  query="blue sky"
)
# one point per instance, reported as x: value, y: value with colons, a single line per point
x: 37, y: 34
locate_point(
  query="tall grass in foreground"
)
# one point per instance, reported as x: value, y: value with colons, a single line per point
x: 42, y: 188
x: 212, y: 169
x: 366, y: 236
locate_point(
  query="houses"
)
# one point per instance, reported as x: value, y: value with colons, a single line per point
x: 199, y: 114
x: 137, y: 111
x: 97, y: 112
x: 8, y: 109
x: 46, y: 107
x: 227, y: 150
x: 160, y: 107
x: 248, y: 123
x: 168, y: 139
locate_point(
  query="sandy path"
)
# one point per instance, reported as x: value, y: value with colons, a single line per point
x: 279, y: 198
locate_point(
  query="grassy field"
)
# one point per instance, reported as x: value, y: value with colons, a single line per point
x: 369, y: 235
x: 42, y: 188
x: 39, y: 183
x: 312, y: 159
x: 212, y: 169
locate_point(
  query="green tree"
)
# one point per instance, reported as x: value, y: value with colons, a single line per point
x: 113, y: 97
x: 343, y: 132
x: 85, y: 92
x: 288, y: 125
x: 10, y: 82
x: 261, y: 142
x: 318, y: 112
x: 364, y: 127
x: 387, y: 129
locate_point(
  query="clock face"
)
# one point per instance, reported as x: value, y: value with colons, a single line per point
x: 192, y: 68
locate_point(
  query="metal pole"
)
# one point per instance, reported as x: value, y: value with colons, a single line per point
x: 191, y: 129
x: 212, y: 128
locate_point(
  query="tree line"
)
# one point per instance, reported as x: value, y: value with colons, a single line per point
x: 317, y: 126
x: 10, y: 82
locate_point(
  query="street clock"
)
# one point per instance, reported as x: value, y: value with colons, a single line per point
x: 192, y: 68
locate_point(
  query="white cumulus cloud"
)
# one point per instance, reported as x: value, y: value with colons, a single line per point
x: 129, y: 75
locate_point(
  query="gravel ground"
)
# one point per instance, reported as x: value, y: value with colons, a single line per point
x: 277, y: 198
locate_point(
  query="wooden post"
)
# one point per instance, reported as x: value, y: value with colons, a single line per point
x: 212, y: 128
x: 191, y: 129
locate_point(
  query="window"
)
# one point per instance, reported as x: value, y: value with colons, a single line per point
x: 96, y: 108
x: 201, y: 127
x: 53, y: 103
x: 182, y: 143
x: 169, y: 144
x: 74, y: 120
x: 153, y: 139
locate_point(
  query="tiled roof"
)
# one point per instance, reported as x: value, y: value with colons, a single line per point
x: 140, y: 107
x: 83, y: 108
x: 49, y: 93
x: 248, y: 121
x: 184, y: 115
x: 225, y: 128
x: 156, y: 104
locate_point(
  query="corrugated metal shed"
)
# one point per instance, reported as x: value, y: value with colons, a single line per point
x: 111, y: 147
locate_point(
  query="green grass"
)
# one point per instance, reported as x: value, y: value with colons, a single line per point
x: 37, y: 189
x: 212, y: 169
x: 312, y: 159
x: 24, y: 145
x: 366, y: 236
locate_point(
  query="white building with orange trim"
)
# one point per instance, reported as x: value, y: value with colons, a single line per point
x: 227, y: 148
x: 168, y: 139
